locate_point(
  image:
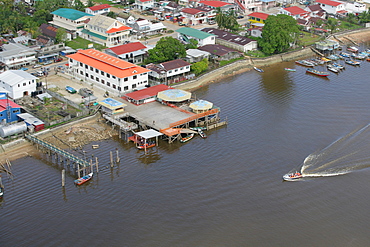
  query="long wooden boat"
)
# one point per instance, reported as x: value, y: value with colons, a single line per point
x: 258, y: 69
x: 187, y: 138
x: 84, y: 179
x: 305, y: 63
x: 332, y: 68
x: 289, y: 69
x: 352, y: 49
x: 317, y: 72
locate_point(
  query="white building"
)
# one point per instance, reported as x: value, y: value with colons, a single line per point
x: 18, y: 83
x: 15, y: 55
x: 170, y: 72
x: 144, y: 4
x: 332, y: 7
x: 103, y: 70
x: 70, y: 19
x: 98, y: 9
x: 106, y: 31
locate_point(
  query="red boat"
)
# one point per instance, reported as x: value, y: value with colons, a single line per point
x: 146, y: 145
x: 83, y: 179
x: 317, y: 72
x: 292, y: 176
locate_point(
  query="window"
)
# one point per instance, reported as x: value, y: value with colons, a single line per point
x: 114, y: 86
x: 108, y: 75
x: 135, y: 77
x: 81, y: 65
x: 187, y: 67
x: 125, y: 88
x: 81, y: 72
x: 96, y: 71
x: 108, y: 84
x: 125, y: 79
x: 119, y: 89
x: 92, y: 77
x: 181, y: 68
x: 176, y: 70
x: 102, y: 72
x: 113, y: 77
x: 102, y: 81
x: 86, y: 74
x: 24, y: 84
x: 97, y: 79
x: 86, y: 67
x: 133, y: 85
x: 91, y: 68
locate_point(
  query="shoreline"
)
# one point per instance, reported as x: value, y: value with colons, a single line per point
x: 22, y: 148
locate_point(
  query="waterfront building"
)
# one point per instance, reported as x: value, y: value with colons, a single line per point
x: 203, y: 38
x: 98, y: 9
x: 106, y: 31
x: 106, y: 71
x: 18, y: 83
x: 170, y: 72
x: 220, y: 52
x: 146, y: 95
x: 234, y: 41
x: 111, y: 106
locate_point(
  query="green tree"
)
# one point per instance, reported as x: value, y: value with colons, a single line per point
x: 166, y: 49
x: 226, y: 20
x: 200, y: 66
x: 352, y: 18
x: 61, y: 35
x: 192, y: 45
x: 279, y: 33
x: 78, y: 5
x: 111, y: 14
x: 90, y: 3
x: 332, y: 24
x: 364, y: 16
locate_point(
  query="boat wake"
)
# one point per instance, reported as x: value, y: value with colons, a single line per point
x: 347, y: 154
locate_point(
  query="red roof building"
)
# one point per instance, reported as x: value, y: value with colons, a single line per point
x: 98, y: 9
x: 145, y: 95
x: 295, y: 12
x: 215, y: 4
x: 134, y: 52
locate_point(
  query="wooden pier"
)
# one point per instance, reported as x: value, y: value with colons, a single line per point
x: 80, y: 164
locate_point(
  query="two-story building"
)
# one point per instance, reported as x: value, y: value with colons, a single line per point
x: 247, y: 7
x: 257, y: 19
x: 70, y: 19
x: 295, y: 12
x: 106, y: 71
x: 15, y: 55
x: 203, y: 38
x: 332, y: 7
x: 234, y: 41
x: 198, y: 15
x: 224, y: 6
x: 144, y: 4
x: 9, y: 111
x: 107, y: 31
x: 98, y: 9
x: 169, y: 72
x: 18, y: 83
x: 133, y: 52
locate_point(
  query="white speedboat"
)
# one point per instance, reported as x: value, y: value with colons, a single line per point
x: 292, y: 176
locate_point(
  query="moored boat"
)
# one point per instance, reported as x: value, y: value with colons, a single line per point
x: 333, y: 68
x: 258, y: 69
x: 305, y: 63
x: 289, y: 69
x: 84, y: 179
x: 187, y: 138
x: 352, y: 62
x: 344, y: 55
x: 352, y: 49
x: 146, y: 145
x: 317, y: 72
x: 292, y: 176
x: 202, y: 134
x: 337, y: 65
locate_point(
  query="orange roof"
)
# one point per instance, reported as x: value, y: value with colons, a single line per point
x: 114, y: 30
x: 109, y: 64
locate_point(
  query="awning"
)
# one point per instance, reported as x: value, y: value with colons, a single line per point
x: 146, y: 134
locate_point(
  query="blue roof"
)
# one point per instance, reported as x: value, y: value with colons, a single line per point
x: 70, y: 14
x: 112, y: 102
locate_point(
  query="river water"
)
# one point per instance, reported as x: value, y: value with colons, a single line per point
x: 226, y: 190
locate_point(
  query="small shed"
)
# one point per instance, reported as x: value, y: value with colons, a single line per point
x: 173, y: 95
x: 142, y: 138
x: 112, y: 106
x: 44, y: 96
x: 32, y: 121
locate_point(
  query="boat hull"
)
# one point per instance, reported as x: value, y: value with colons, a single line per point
x: 318, y: 73
x: 83, y: 179
x: 288, y: 177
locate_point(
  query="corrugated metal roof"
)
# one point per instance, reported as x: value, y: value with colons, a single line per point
x: 13, y: 77
x: 147, y: 92
x: 194, y: 33
x: 70, y: 14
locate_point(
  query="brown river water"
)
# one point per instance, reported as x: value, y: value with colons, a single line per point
x: 226, y: 190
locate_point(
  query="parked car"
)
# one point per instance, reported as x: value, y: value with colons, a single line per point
x: 36, y: 66
x: 71, y: 90
x: 58, y: 59
x: 23, y: 68
x: 211, y: 22
x: 182, y: 24
x: 48, y: 62
x: 240, y: 17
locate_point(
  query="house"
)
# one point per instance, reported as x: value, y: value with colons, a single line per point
x: 257, y: 19
x: 132, y: 52
x: 220, y: 52
x: 234, y: 41
x: 355, y: 7
x: 108, y: 72
x: 224, y: 6
x: 255, y: 32
x: 332, y: 7
x: 198, y: 15
x: 144, y: 4
x: 195, y: 55
x: 51, y: 32
x: 14, y: 55
x: 143, y: 27
x: 203, y: 38
x: 98, y: 9
x: 106, y: 31
x: 70, y: 19
x: 295, y: 12
x: 169, y: 72
x: 18, y: 83
x: 9, y: 111
x: 316, y: 11
x: 145, y: 95
x: 254, y: 5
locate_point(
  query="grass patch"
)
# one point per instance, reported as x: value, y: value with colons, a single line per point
x: 80, y: 43
x: 307, y: 39
x: 256, y: 53
x: 222, y: 63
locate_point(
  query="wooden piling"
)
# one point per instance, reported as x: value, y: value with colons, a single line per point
x: 63, y: 177
x: 117, y: 158
x: 111, y: 159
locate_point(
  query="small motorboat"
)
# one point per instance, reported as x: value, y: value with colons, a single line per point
x: 292, y: 176
x: 289, y: 69
x: 305, y: 63
x: 202, y: 134
x: 187, y: 138
x: 332, y: 68
x: 84, y: 179
x: 352, y: 62
x: 146, y: 145
x: 258, y: 69
x: 352, y: 49
x: 317, y: 72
